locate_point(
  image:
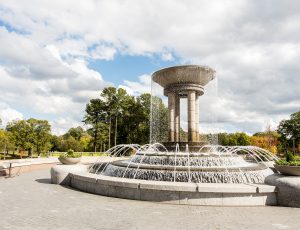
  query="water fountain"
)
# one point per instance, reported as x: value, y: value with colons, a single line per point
x: 212, y: 164
x: 192, y: 160
x: 176, y: 171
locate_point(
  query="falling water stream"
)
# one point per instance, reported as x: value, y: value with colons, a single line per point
x: 211, y: 164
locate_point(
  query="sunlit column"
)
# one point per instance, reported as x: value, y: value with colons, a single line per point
x: 177, y: 118
x: 171, y: 105
x: 191, y: 116
x: 197, y: 117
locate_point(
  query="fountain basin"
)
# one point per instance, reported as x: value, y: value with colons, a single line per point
x: 175, y: 192
x: 254, y: 173
x: 246, y: 167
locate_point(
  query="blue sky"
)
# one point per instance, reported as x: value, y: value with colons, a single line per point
x: 56, y: 55
x: 129, y: 67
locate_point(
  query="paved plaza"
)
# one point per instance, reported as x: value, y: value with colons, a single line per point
x: 29, y: 201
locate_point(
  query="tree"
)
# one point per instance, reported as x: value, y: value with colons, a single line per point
x: 123, y: 118
x: 117, y: 102
x: 22, y: 134
x: 290, y: 130
x: 142, y: 117
x: 6, y: 143
x: 77, y: 132
x: 159, y: 120
x: 96, y: 112
x: 101, y: 142
x: 69, y: 142
x: 31, y: 134
x: 41, y: 135
x: 135, y: 121
x: 85, y: 141
x: 55, y: 143
x: 268, y: 140
x: 242, y: 139
x: 234, y: 139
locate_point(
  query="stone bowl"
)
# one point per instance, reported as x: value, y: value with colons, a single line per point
x: 69, y: 161
x: 194, y: 74
x: 288, y: 170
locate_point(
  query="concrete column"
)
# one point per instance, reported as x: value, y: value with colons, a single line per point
x: 197, y: 117
x: 177, y: 118
x: 171, y: 107
x: 191, y: 116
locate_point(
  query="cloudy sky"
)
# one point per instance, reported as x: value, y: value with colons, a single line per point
x: 56, y: 55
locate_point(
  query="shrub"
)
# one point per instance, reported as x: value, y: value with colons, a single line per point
x: 290, y: 157
x: 70, y: 154
x: 294, y: 163
x: 288, y: 163
x: 282, y: 162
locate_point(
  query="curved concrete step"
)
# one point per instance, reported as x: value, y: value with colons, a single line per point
x: 215, y: 194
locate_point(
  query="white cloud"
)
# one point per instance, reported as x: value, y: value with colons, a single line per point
x: 253, y: 45
x: 167, y: 56
x: 60, y: 125
x: 103, y: 52
x: 60, y: 89
x: 142, y: 86
x: 8, y: 114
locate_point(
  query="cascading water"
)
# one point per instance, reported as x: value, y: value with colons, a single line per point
x: 190, y: 159
x: 212, y: 164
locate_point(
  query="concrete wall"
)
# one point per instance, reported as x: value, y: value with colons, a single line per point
x: 176, y: 192
x: 288, y: 189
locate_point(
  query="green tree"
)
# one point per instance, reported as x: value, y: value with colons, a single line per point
x: 76, y: 132
x: 122, y: 118
x: 223, y: 139
x: 101, y: 143
x: 6, y: 143
x: 69, y: 142
x: 117, y: 102
x: 290, y: 129
x: 85, y: 141
x: 242, y: 139
x: 141, y: 117
x: 55, y: 143
x: 22, y: 134
x: 159, y: 120
x: 41, y: 135
x: 96, y: 113
x: 31, y: 134
x: 115, y: 110
x: 234, y: 139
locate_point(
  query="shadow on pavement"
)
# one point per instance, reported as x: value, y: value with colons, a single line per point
x: 44, y: 180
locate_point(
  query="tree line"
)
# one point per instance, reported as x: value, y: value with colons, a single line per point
x: 116, y: 117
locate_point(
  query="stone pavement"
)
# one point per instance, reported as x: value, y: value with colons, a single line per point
x: 30, y: 202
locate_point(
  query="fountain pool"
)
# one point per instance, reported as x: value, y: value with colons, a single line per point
x: 189, y: 171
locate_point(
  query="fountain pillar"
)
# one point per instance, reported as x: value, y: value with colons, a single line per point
x: 178, y: 82
x: 192, y: 116
x: 171, y: 107
x: 197, y: 117
x: 177, y: 118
